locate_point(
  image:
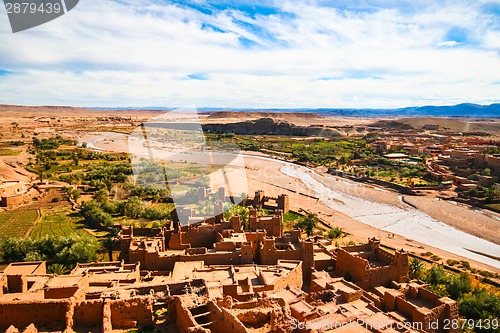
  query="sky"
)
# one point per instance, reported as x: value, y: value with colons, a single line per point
x: 256, y: 54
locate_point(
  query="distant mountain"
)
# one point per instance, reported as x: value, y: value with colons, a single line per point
x: 460, y: 110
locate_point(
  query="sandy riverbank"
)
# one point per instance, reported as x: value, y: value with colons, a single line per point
x: 348, y: 206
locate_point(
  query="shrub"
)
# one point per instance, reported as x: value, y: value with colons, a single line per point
x: 335, y: 233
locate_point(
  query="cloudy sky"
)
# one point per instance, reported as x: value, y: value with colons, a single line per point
x: 260, y: 54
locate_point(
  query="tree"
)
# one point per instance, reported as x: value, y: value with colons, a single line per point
x: 58, y: 269
x: 66, y: 251
x: 41, y: 175
x: 308, y: 223
x: 480, y: 305
x: 133, y: 207
x: 416, y: 268
x: 486, y: 172
x: 473, y: 192
x: 459, y: 286
x: 437, y: 275
x: 335, y: 233
x: 109, y: 243
x: 101, y: 196
x: 95, y: 216
x: 241, y: 211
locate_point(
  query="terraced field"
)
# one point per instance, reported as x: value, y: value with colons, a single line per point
x: 17, y: 223
x: 59, y: 223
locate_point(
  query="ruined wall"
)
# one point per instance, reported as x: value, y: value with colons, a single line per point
x: 185, y: 321
x: 197, y: 236
x: 294, y: 278
x: 88, y: 313
x: 41, y: 313
x: 404, y: 307
x: 230, y: 323
x: 378, y: 276
x: 131, y: 312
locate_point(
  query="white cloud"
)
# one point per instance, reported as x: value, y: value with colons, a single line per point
x: 105, y: 53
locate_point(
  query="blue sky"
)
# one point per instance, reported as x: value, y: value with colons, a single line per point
x: 259, y: 54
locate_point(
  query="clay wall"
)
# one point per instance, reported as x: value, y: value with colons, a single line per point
x: 225, y: 246
x: 378, y: 276
x: 294, y: 278
x: 385, y: 256
x: 404, y: 307
x: 4, y: 286
x: 41, y: 313
x: 185, y: 321
x: 283, y: 203
x: 12, y: 200
x: 88, y: 313
x: 197, y: 236
x: 17, y: 283
x: 11, y: 188
x: 273, y: 225
x: 230, y: 323
x: 269, y: 255
x: 131, y: 312
x: 60, y: 293
x: 217, y: 258
x: 351, y: 267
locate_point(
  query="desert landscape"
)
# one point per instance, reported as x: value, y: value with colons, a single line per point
x: 124, y: 180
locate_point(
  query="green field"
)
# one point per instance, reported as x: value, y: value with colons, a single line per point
x: 9, y: 152
x: 59, y: 223
x: 290, y: 219
x: 17, y: 223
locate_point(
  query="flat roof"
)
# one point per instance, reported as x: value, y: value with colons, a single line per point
x: 18, y: 268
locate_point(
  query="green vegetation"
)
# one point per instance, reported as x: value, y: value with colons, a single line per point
x: 52, y: 143
x: 17, y: 223
x: 59, y: 223
x: 66, y: 251
x: 317, y: 151
x: 308, y: 224
x: 335, y: 233
x: 475, y: 301
x: 416, y: 268
x: 241, y: 211
x: 9, y: 152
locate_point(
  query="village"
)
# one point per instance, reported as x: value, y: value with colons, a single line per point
x: 213, y: 276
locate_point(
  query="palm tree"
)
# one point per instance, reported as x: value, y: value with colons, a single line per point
x: 308, y: 223
x: 58, y: 269
x: 416, y: 268
x: 109, y: 243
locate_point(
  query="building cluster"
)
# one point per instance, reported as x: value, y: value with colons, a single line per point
x: 213, y: 276
x: 13, y: 193
x: 451, y: 159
